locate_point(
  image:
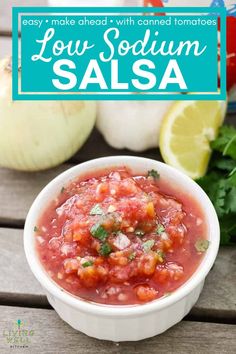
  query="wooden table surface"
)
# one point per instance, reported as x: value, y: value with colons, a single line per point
x: 210, y: 326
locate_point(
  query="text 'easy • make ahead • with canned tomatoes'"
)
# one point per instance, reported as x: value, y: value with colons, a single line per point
x: 115, y: 238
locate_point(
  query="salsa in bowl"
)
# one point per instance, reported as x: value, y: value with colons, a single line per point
x: 120, y: 237
x: 113, y: 237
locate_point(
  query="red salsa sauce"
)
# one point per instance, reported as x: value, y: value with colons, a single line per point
x: 115, y: 238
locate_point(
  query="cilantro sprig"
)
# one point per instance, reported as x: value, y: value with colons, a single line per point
x: 87, y: 264
x: 105, y: 249
x: 154, y: 174
x: 226, y: 141
x: 99, y: 232
x: 160, y: 229
x: 220, y: 182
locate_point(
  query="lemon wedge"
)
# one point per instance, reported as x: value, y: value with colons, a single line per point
x: 186, y: 132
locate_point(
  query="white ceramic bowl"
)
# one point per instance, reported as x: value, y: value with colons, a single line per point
x: 123, y: 323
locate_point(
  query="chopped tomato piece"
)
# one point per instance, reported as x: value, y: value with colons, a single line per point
x: 145, y: 293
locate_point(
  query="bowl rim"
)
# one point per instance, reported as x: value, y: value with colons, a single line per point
x: 120, y: 310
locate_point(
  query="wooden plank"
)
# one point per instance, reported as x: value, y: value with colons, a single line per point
x: 52, y: 335
x: 17, y: 283
x: 6, y: 11
x: 218, y: 294
x: 220, y: 287
x: 97, y: 147
x: 18, y: 190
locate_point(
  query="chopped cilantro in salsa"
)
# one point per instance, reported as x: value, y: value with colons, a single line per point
x: 105, y: 249
x: 99, y: 232
x: 87, y: 264
x: 154, y: 174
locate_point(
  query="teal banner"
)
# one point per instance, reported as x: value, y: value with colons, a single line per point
x: 84, y: 53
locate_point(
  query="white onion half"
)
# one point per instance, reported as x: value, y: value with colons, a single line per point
x: 36, y: 135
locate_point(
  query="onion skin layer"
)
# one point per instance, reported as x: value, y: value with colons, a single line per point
x: 37, y: 135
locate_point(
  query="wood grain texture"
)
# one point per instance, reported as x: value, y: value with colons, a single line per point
x: 18, y: 190
x: 52, y: 335
x: 18, y: 283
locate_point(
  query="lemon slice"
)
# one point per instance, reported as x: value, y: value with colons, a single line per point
x: 186, y: 133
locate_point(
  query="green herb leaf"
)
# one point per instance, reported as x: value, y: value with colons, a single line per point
x: 227, y: 229
x: 215, y: 186
x: 96, y: 210
x: 230, y: 201
x: 132, y: 256
x: 99, y: 232
x: 201, y: 245
x: 160, y: 228
x: 160, y: 254
x: 105, y: 249
x: 222, y: 163
x: 226, y: 141
x: 147, y: 246
x: 139, y: 232
x: 87, y: 264
x: 154, y: 174
x: 36, y: 229
x: 220, y: 182
x: 62, y: 190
